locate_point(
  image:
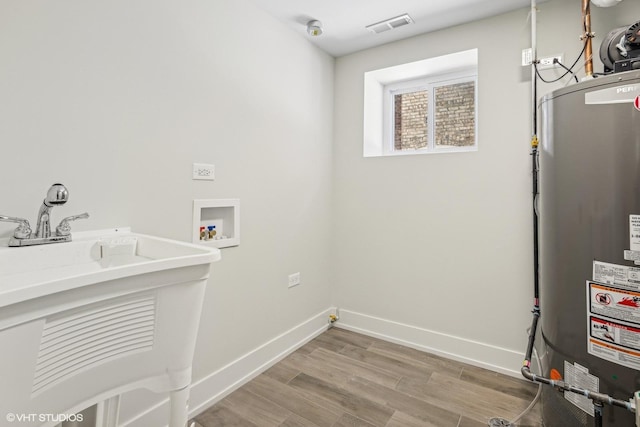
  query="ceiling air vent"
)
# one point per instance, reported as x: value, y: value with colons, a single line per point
x: 390, y: 24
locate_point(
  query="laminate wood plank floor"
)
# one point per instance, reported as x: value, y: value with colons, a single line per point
x: 345, y: 379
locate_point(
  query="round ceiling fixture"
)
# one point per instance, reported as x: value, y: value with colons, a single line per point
x: 314, y: 28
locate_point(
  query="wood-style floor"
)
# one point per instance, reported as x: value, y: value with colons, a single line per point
x: 342, y: 379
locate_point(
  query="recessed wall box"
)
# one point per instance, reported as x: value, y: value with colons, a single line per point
x: 216, y: 222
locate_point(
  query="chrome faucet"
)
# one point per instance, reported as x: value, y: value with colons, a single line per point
x: 56, y: 196
x: 23, y: 236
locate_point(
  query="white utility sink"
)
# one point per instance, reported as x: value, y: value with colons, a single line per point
x: 84, y: 321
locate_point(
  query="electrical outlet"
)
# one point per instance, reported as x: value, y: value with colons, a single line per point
x: 294, y: 279
x: 203, y: 171
x: 547, y: 63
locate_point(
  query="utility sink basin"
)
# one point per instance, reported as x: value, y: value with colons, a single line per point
x: 84, y: 321
x: 92, y: 257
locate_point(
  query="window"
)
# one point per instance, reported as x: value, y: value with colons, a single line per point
x: 428, y: 106
x: 409, y: 118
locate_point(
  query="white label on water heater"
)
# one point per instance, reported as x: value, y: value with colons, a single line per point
x: 634, y: 232
x: 632, y: 256
x: 580, y: 377
x: 622, y: 276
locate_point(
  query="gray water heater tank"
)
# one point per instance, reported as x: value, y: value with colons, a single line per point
x: 589, y: 209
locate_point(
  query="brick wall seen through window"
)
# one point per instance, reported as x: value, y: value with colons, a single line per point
x: 410, y: 115
x: 455, y: 121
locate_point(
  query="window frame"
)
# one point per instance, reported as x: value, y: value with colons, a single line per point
x: 388, y: 108
x: 429, y: 84
x: 439, y: 68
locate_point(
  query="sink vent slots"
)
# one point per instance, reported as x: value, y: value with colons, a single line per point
x: 80, y: 340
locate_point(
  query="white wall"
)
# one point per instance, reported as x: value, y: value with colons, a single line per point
x: 116, y: 99
x: 436, y: 250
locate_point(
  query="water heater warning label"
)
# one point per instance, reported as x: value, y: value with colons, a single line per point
x: 613, y: 324
x: 614, y: 303
x: 610, y: 332
x: 606, y: 348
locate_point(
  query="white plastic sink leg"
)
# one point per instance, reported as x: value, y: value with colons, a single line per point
x: 107, y: 412
x: 179, y: 401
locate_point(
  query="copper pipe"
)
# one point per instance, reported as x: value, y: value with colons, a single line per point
x: 587, y: 36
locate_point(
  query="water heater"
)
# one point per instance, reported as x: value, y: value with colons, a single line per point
x: 589, y: 210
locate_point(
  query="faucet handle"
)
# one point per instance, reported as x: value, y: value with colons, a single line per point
x: 24, y: 229
x: 64, y: 229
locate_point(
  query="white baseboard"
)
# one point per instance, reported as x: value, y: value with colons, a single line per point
x: 214, y: 387
x: 475, y: 353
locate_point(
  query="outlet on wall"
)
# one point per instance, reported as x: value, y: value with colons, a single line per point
x: 548, y: 62
x: 203, y: 171
x: 294, y: 279
x: 543, y: 63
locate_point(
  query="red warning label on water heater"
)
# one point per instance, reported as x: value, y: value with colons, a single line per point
x: 614, y: 303
x: 615, y: 333
x: 613, y: 324
x: 636, y: 102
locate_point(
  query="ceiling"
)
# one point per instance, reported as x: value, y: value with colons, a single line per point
x: 344, y: 21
